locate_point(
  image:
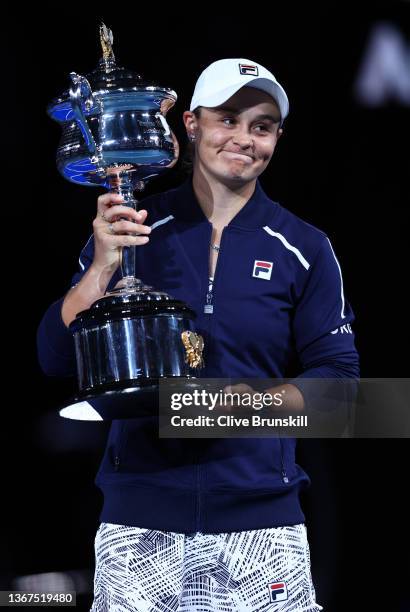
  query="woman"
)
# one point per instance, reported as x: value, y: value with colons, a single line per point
x: 215, y: 524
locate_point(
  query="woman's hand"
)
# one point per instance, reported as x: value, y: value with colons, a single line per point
x: 116, y: 226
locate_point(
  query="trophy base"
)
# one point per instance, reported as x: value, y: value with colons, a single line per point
x: 117, y: 402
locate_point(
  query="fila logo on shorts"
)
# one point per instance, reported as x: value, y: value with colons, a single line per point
x: 248, y: 69
x: 262, y: 269
x: 278, y: 591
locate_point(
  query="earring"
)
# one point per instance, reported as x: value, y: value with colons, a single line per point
x: 191, y: 137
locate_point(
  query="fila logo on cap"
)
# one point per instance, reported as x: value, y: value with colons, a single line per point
x: 262, y: 269
x: 248, y: 69
x: 278, y: 591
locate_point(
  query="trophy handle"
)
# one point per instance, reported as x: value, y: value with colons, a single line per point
x: 165, y: 125
x: 81, y: 97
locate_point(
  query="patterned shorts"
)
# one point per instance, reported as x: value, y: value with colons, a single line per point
x: 144, y: 570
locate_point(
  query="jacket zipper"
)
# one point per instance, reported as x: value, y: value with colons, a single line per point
x: 208, y: 309
x: 209, y: 305
x: 282, y: 460
x: 120, y: 448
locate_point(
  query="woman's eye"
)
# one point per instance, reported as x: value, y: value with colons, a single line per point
x: 228, y: 120
x: 261, y: 128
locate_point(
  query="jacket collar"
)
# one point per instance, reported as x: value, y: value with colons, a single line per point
x: 257, y: 212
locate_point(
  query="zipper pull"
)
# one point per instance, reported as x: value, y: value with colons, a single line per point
x: 116, y: 463
x: 284, y: 475
x: 208, y: 308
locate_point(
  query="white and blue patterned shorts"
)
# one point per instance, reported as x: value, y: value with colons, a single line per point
x: 145, y: 570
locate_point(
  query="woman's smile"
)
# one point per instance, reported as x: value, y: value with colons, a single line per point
x: 247, y: 159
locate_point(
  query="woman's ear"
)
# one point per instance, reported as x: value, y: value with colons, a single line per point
x: 190, y: 121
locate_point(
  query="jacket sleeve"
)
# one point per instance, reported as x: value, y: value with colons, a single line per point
x: 323, y: 328
x: 55, y: 344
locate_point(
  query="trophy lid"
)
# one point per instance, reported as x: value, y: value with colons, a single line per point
x: 128, y: 304
x: 108, y: 78
x: 113, y: 119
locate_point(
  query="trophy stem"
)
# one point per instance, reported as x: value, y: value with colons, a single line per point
x: 121, y: 184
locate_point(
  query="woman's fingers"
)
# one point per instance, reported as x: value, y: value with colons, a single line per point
x: 115, y: 213
x: 107, y: 200
x: 116, y: 226
x: 126, y: 227
x: 116, y: 241
x: 110, y: 208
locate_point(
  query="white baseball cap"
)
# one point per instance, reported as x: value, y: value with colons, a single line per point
x: 223, y: 78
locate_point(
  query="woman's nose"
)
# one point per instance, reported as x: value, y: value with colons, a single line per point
x: 243, y: 139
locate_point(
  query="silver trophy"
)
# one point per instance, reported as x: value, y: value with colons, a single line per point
x: 115, y: 135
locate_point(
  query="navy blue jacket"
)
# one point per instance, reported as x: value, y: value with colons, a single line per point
x: 277, y: 299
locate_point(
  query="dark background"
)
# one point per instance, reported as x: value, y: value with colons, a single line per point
x: 340, y: 165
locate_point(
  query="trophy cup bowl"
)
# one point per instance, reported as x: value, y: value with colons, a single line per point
x: 115, y: 135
